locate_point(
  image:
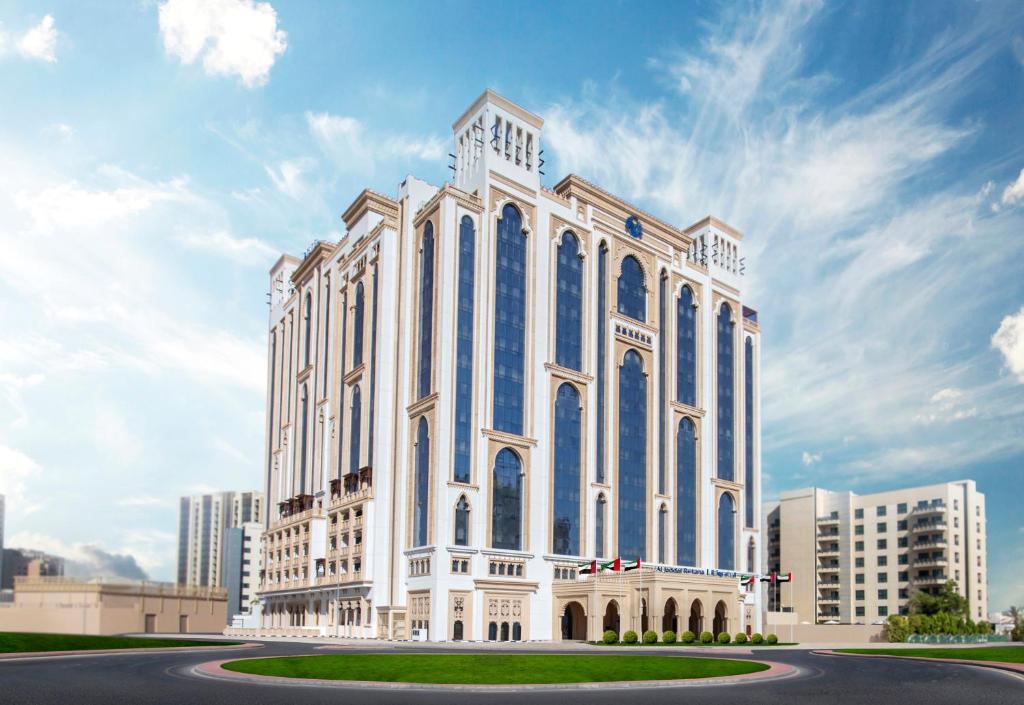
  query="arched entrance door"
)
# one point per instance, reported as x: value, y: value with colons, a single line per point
x: 643, y: 616
x: 721, y: 623
x: 574, y: 623
x: 457, y: 630
x: 696, y: 617
x: 670, y: 620
x: 611, y: 617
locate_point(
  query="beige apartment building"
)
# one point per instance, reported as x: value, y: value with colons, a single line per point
x: 203, y: 525
x: 859, y: 558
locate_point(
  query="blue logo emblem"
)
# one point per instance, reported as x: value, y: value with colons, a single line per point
x: 634, y: 227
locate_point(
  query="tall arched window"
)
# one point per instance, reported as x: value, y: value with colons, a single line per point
x: 509, y: 322
x: 462, y: 522
x: 686, y: 493
x: 726, y: 532
x: 341, y: 395
x: 507, y: 501
x: 599, y: 526
x: 662, y: 378
x: 327, y: 329
x: 304, y: 441
x: 662, y: 535
x: 632, y: 292
x: 726, y: 397
x: 357, y: 327
x: 751, y: 557
x: 421, y: 508
x: 426, y: 323
x: 686, y: 348
x: 748, y: 431
x: 569, y: 320
x: 355, y: 437
x: 602, y: 355
x: 307, y: 351
x: 568, y: 445
x: 632, y: 458
x: 464, y: 350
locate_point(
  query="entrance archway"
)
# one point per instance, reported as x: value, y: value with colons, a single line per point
x: 457, y: 630
x: 696, y: 617
x: 721, y: 622
x: 611, y: 617
x: 574, y: 623
x: 643, y: 616
x: 670, y: 620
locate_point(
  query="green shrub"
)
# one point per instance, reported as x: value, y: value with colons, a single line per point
x: 897, y: 628
x: 610, y: 637
x: 724, y: 638
x: 771, y: 640
x: 669, y: 637
x: 741, y: 638
x: 689, y: 637
x: 756, y: 638
x: 629, y: 637
x: 706, y: 637
x: 650, y: 637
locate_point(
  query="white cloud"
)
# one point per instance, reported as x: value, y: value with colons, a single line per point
x: 233, y: 37
x: 948, y: 404
x: 243, y: 250
x: 287, y: 176
x: 354, y: 147
x: 40, y: 42
x: 1015, y: 191
x: 809, y: 459
x: 1009, y: 340
x: 16, y: 469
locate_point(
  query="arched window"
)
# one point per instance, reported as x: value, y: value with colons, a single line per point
x: 726, y: 397
x: 686, y: 348
x: 568, y: 445
x: 304, y: 442
x: 726, y: 532
x: 355, y: 438
x: 599, y: 526
x: 426, y: 323
x: 748, y: 431
x: 308, y: 335
x: 662, y: 379
x: 462, y: 522
x: 686, y: 493
x: 632, y: 292
x: 464, y: 350
x: 357, y: 327
x: 751, y: 557
x: 341, y: 396
x: 507, y: 501
x: 662, y: 536
x: 632, y: 458
x: 421, y: 509
x: 327, y: 329
x: 602, y: 354
x: 509, y: 322
x: 569, y: 320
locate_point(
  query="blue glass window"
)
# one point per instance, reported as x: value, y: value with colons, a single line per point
x: 304, y: 442
x: 355, y: 438
x: 632, y: 292
x: 662, y: 538
x: 748, y: 430
x: 686, y: 348
x: 602, y: 354
x: 341, y: 396
x: 568, y: 445
x: 662, y: 378
x: 421, y: 508
x: 462, y: 522
x: 686, y: 493
x: 327, y: 330
x: 569, y: 321
x: 426, y: 311
x: 373, y: 372
x: 308, y: 336
x: 507, y: 501
x: 632, y: 457
x: 357, y: 326
x: 726, y: 532
x: 726, y: 401
x: 599, y: 527
x: 509, y: 322
x: 464, y: 350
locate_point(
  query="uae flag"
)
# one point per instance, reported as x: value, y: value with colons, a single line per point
x: 631, y: 565
x: 588, y: 568
x: 776, y: 578
x: 615, y: 565
x: 749, y: 582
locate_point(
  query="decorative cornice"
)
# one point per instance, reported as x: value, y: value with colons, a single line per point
x: 370, y: 201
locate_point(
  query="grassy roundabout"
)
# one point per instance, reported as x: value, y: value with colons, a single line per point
x: 492, y: 669
x: 1004, y: 654
x: 25, y: 642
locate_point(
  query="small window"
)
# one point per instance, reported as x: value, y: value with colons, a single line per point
x: 858, y: 546
x: 883, y: 611
x: 883, y: 561
x: 882, y: 527
x: 859, y: 578
x: 859, y: 562
x: 882, y: 544
x: 883, y: 577
x: 858, y: 530
x: 880, y: 510
x: 859, y: 595
x: 860, y: 610
x: 901, y: 508
x: 858, y: 513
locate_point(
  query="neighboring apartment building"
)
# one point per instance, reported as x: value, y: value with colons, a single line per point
x: 486, y: 384
x: 859, y: 558
x: 242, y: 553
x: 203, y: 522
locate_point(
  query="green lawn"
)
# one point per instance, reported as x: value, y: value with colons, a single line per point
x: 1007, y: 654
x: 16, y: 642
x: 493, y: 669
x: 697, y: 643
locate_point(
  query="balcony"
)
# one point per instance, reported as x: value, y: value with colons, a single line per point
x: 830, y: 535
x: 931, y: 562
x: 828, y: 584
x: 929, y: 545
x: 352, y: 487
x: 828, y: 569
x: 926, y: 526
x: 832, y: 600
x: 828, y: 553
x: 931, y: 509
x: 930, y: 580
x: 827, y: 521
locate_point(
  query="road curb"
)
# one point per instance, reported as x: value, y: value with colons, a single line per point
x: 215, y: 670
x: 1015, y: 668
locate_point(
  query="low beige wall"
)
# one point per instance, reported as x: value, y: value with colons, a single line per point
x: 828, y: 633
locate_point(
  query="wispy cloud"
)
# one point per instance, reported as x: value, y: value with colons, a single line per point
x: 243, y: 250
x: 1009, y: 340
x: 37, y: 42
x: 354, y: 147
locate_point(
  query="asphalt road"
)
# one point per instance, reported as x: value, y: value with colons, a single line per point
x: 141, y: 678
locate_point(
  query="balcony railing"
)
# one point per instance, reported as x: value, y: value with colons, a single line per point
x: 926, y: 509
x: 924, y: 527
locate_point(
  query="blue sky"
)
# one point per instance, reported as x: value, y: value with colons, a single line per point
x: 158, y: 155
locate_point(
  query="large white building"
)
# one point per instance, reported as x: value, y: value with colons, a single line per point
x: 484, y: 385
x: 203, y: 523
